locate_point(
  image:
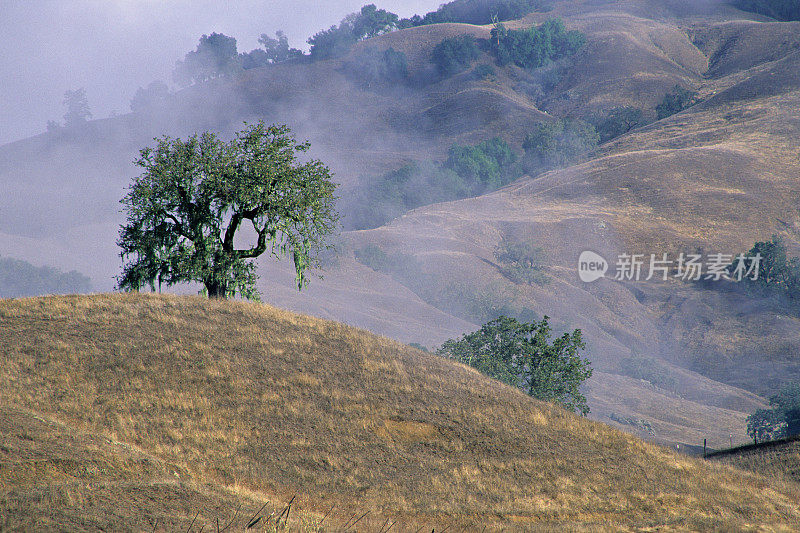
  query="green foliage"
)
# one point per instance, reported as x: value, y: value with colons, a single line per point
x: 155, y: 97
x: 371, y: 22
x: 777, y: 9
x: 764, y: 425
x: 483, y: 72
x: 185, y: 210
x: 337, y: 40
x: 523, y: 355
x: 374, y: 67
x: 455, y: 55
x: 537, y: 46
x: 77, y: 107
x: 214, y: 56
x: 485, y: 166
x: 468, y: 171
x: 782, y: 420
x: 521, y: 262
x: 277, y: 50
x: 19, y: 279
x: 675, y: 101
x: 777, y: 272
x: 618, y: 121
x: 559, y: 143
x: 472, y: 12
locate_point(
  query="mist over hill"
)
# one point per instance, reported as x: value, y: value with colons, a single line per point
x: 690, y: 360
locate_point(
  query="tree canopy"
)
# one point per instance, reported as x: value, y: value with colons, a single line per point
x: 214, y: 56
x: 186, y: 210
x: 781, y: 420
x: 522, y: 354
x: 536, y: 46
x: 77, y: 107
x: 337, y: 40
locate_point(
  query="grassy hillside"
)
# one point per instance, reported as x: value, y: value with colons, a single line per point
x: 780, y: 458
x: 243, y: 401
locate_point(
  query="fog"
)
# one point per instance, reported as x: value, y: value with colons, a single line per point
x: 113, y: 47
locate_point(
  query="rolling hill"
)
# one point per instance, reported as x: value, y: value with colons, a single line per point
x: 120, y: 410
x: 718, y: 177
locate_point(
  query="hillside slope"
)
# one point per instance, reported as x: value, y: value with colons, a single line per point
x: 250, y: 397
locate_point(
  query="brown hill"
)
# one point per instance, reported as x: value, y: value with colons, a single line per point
x: 104, y: 398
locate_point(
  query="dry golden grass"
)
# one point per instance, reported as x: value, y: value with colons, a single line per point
x: 253, y: 402
x: 780, y: 459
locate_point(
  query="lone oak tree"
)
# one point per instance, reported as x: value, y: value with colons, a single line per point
x: 185, y: 210
x: 523, y: 355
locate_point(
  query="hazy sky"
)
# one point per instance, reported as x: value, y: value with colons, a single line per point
x: 112, y: 47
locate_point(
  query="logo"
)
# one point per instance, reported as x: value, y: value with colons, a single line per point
x: 591, y: 266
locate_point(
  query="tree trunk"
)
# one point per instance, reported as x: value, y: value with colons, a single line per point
x: 216, y: 290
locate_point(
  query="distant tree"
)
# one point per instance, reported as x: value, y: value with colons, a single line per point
x: 330, y: 43
x: 521, y: 262
x: 765, y: 425
x: 214, y: 56
x: 337, y: 40
x: 256, y: 58
x: 777, y: 271
x: 373, y: 66
x: 155, y: 96
x: 277, y: 50
x: 483, y: 72
x: 77, y: 107
x: 675, y: 101
x: 522, y: 354
x: 372, y: 22
x: 782, y: 420
x: 485, y: 166
x: 535, y: 47
x: 618, y: 121
x: 455, y: 55
x: 185, y: 211
x: 554, y: 144
x: 53, y: 126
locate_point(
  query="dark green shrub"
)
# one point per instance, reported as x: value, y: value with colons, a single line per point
x: 537, y: 46
x: 618, y: 121
x: 455, y: 55
x: 559, y: 143
x: 483, y: 72
x: 675, y: 101
x: 521, y: 262
x: 777, y: 272
x: 485, y: 166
